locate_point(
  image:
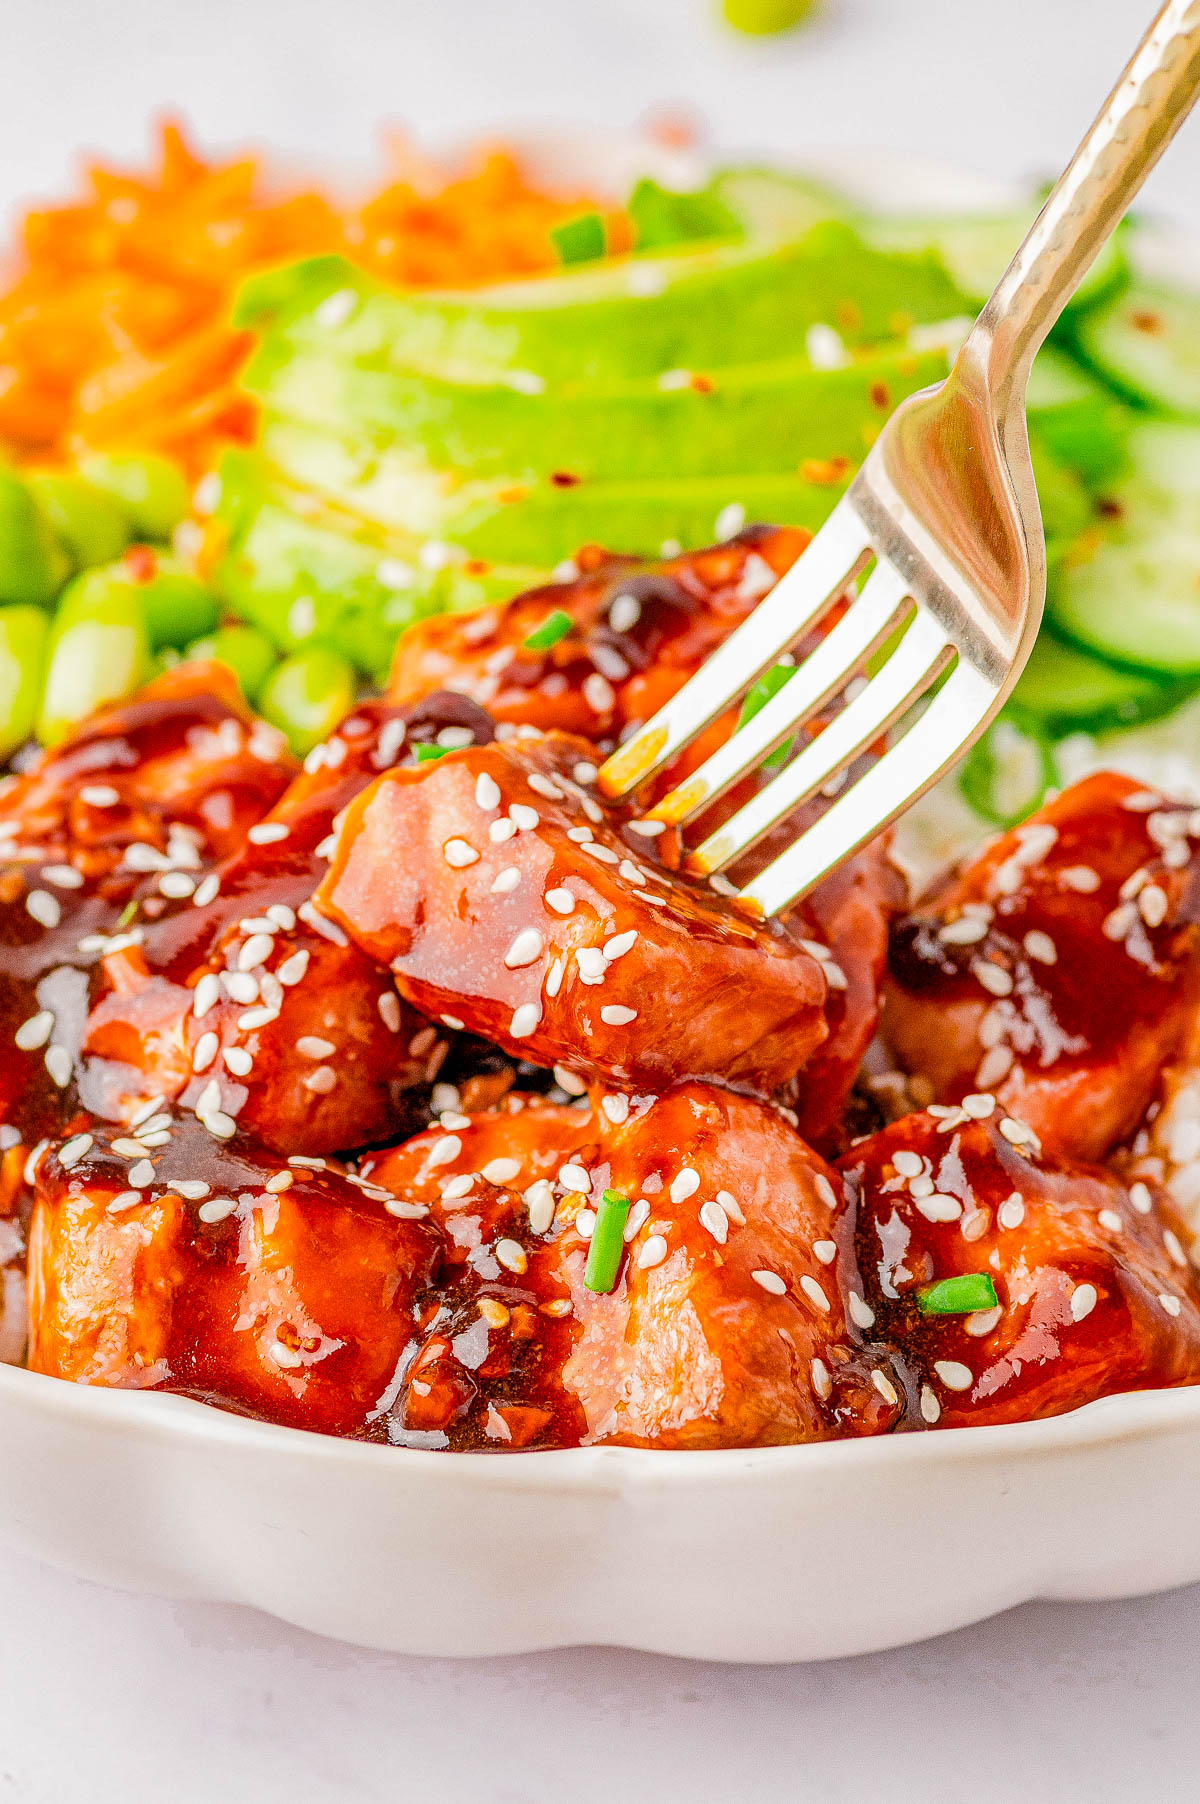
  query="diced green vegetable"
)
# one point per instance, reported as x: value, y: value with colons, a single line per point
x: 554, y: 627
x: 964, y: 1295
x: 151, y: 488
x: 33, y: 564
x: 667, y: 216
x: 175, y: 605
x: 94, y: 528
x: 248, y: 653
x: 425, y: 754
x: 607, y: 1242
x: 23, y: 635
x: 1006, y: 775
x: 769, y: 684
x: 579, y: 240
x: 306, y: 696
x: 99, y: 652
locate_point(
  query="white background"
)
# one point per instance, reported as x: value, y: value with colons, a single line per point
x: 106, y: 1698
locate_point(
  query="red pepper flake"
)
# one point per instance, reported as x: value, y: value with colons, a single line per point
x: 880, y: 396
x: 1145, y: 321
x: 565, y: 479
x: 825, y: 472
x: 141, y: 564
x: 703, y: 385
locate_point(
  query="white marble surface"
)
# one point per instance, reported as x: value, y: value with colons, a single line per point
x: 105, y: 1697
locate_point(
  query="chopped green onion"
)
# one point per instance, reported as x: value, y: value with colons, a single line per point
x: 425, y: 754
x: 769, y: 684
x: 580, y: 240
x: 663, y: 216
x: 554, y: 627
x: 128, y: 914
x: 958, y: 1296
x: 607, y: 1243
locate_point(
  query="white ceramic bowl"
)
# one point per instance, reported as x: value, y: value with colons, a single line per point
x: 787, y: 1553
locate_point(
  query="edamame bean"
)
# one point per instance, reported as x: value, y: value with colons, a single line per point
x: 152, y: 490
x: 306, y: 696
x: 23, y: 634
x: 99, y: 652
x: 94, y: 528
x: 248, y: 653
x: 33, y: 565
x: 175, y: 605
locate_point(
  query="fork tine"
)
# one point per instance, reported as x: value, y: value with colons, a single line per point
x: 912, y: 667
x: 933, y: 743
x: 794, y: 605
x: 823, y: 674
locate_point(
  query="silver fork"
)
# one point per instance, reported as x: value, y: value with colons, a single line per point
x: 946, y: 509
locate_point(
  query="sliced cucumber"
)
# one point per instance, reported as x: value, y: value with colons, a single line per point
x: 1006, y: 776
x: 1146, y: 343
x: 977, y: 248
x: 777, y: 206
x: 1077, y: 418
x: 1065, y: 690
x: 1130, y: 589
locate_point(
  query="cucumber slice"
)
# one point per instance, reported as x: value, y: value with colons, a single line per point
x: 1077, y: 419
x: 1131, y: 588
x: 1006, y: 775
x: 775, y: 206
x: 1147, y: 345
x: 1065, y: 690
x: 977, y: 248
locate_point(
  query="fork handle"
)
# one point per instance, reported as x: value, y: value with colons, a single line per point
x: 1152, y: 98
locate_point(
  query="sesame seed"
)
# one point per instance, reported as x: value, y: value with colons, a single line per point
x: 45, y: 908
x: 580, y: 836
x: 216, y: 1209
x: 256, y: 1017
x: 292, y: 969
x: 524, y: 1020
x: 1116, y: 924
x: 284, y: 1355
x: 560, y: 900
x: 282, y: 1180
x: 653, y: 1252
x: 267, y: 833
x: 525, y: 949
x: 616, y: 1016
x: 979, y: 1106
x: 814, y: 1293
x: 125, y: 1199
x: 207, y: 1047
x: 311, y: 1046
x: 619, y: 944
x: 1139, y: 1196
x: 1011, y: 1212
x: 637, y: 1219
x: 99, y: 795
x: 554, y: 977
x: 493, y: 1312
x: 501, y: 1171
x: 955, y: 1376
x: 458, y: 854
x: 1040, y: 946
x: 1083, y: 1301
x: 328, y: 930
x: 454, y: 1189
x: 1016, y: 1132
x: 685, y: 1184
x: 730, y: 520
x: 884, y: 1386
x: 255, y: 951
x: 769, y: 1281
x: 501, y: 830
x: 59, y: 1064
x: 444, y: 1151
x: 511, y: 1255
x: 1171, y: 1242
x: 938, y: 1207
x: 602, y: 854
x: 982, y: 1321
x: 861, y: 1313
x: 63, y: 876
x: 599, y: 694
x: 992, y: 977
x: 176, y: 885
x: 487, y: 791
x: 591, y: 963
x: 238, y: 1060
x: 35, y: 1032
x: 965, y: 931
x: 1108, y: 1218
x: 128, y: 1148
x: 822, y: 1383
x: 451, y: 1021
x: 732, y: 1207
x: 523, y: 818
x: 539, y: 1200
x: 1080, y: 877
x: 1152, y: 905
x: 569, y: 1081
x: 908, y: 1164
x: 931, y: 1409
x: 994, y: 1066
x: 73, y: 1150
x: 715, y: 1221
x: 1170, y: 1304
x: 141, y: 1174
x: 574, y: 1177
x: 543, y: 786
x: 616, y: 1108
x: 281, y: 916
x: 240, y: 986
x: 647, y: 829
x: 824, y: 1188
x: 505, y: 881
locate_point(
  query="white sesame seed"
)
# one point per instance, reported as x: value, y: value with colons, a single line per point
x: 560, y: 900
x: 965, y: 931
x: 292, y: 969
x: 141, y: 1174
x: 1170, y: 1304
x: 654, y: 1251
x: 955, y: 1376
x: 444, y: 1151
x: 770, y: 1281
x: 206, y: 890
x: 511, y: 1255
x: 991, y: 977
x: 1139, y: 1196
x: 501, y: 1171
x: 994, y: 1066
x: 1174, y: 1250
x: 1016, y: 1132
x: 328, y: 930
x: 602, y: 854
x: 616, y: 1016
x: 616, y: 1108
x: 1083, y: 1301
x: 822, y: 1383
x: 599, y: 694
x: 684, y: 1184
x: 216, y: 1209
x: 908, y: 1164
x: 884, y: 1385
x: 938, y: 1207
x: 501, y: 830
x: 580, y: 836
x: 585, y: 1223
x: 451, y: 1021
x: 814, y: 1293
x: 1152, y: 905
x: 99, y: 795
x: 129, y: 1148
x: 45, y: 908
x: 569, y: 1081
x: 931, y: 1409
x: 206, y: 1049
x: 574, y: 1177
x: 487, y: 791
x: 539, y: 1200
x: 256, y: 1017
x: 505, y: 881
x: 523, y: 818
x: 554, y: 977
x: 525, y: 949
x: 255, y: 951
x: 620, y: 944
x: 125, y: 1199
x: 73, y: 1150
x: 524, y: 1020
x: 1040, y: 946
x: 1108, y: 1218
x: 715, y: 1221
x: 861, y: 1313
x: 311, y: 1046
x: 240, y: 986
x: 453, y: 1190
x: 1011, y: 1212
x: 979, y: 1106
x: 35, y: 1032
x: 1081, y: 878
x: 591, y: 963
x: 544, y: 786
x: 982, y: 1321
x: 458, y: 854
x: 1116, y: 924
x: 59, y: 1064
x: 388, y: 1004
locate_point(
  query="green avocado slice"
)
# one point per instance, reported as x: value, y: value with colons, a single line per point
x: 762, y: 416
x: 622, y: 318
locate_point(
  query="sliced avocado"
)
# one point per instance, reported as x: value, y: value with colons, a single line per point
x: 766, y: 416
x: 623, y: 318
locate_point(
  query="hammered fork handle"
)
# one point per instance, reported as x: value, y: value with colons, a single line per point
x: 1138, y: 120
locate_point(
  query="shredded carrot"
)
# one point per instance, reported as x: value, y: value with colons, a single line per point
x: 115, y: 330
